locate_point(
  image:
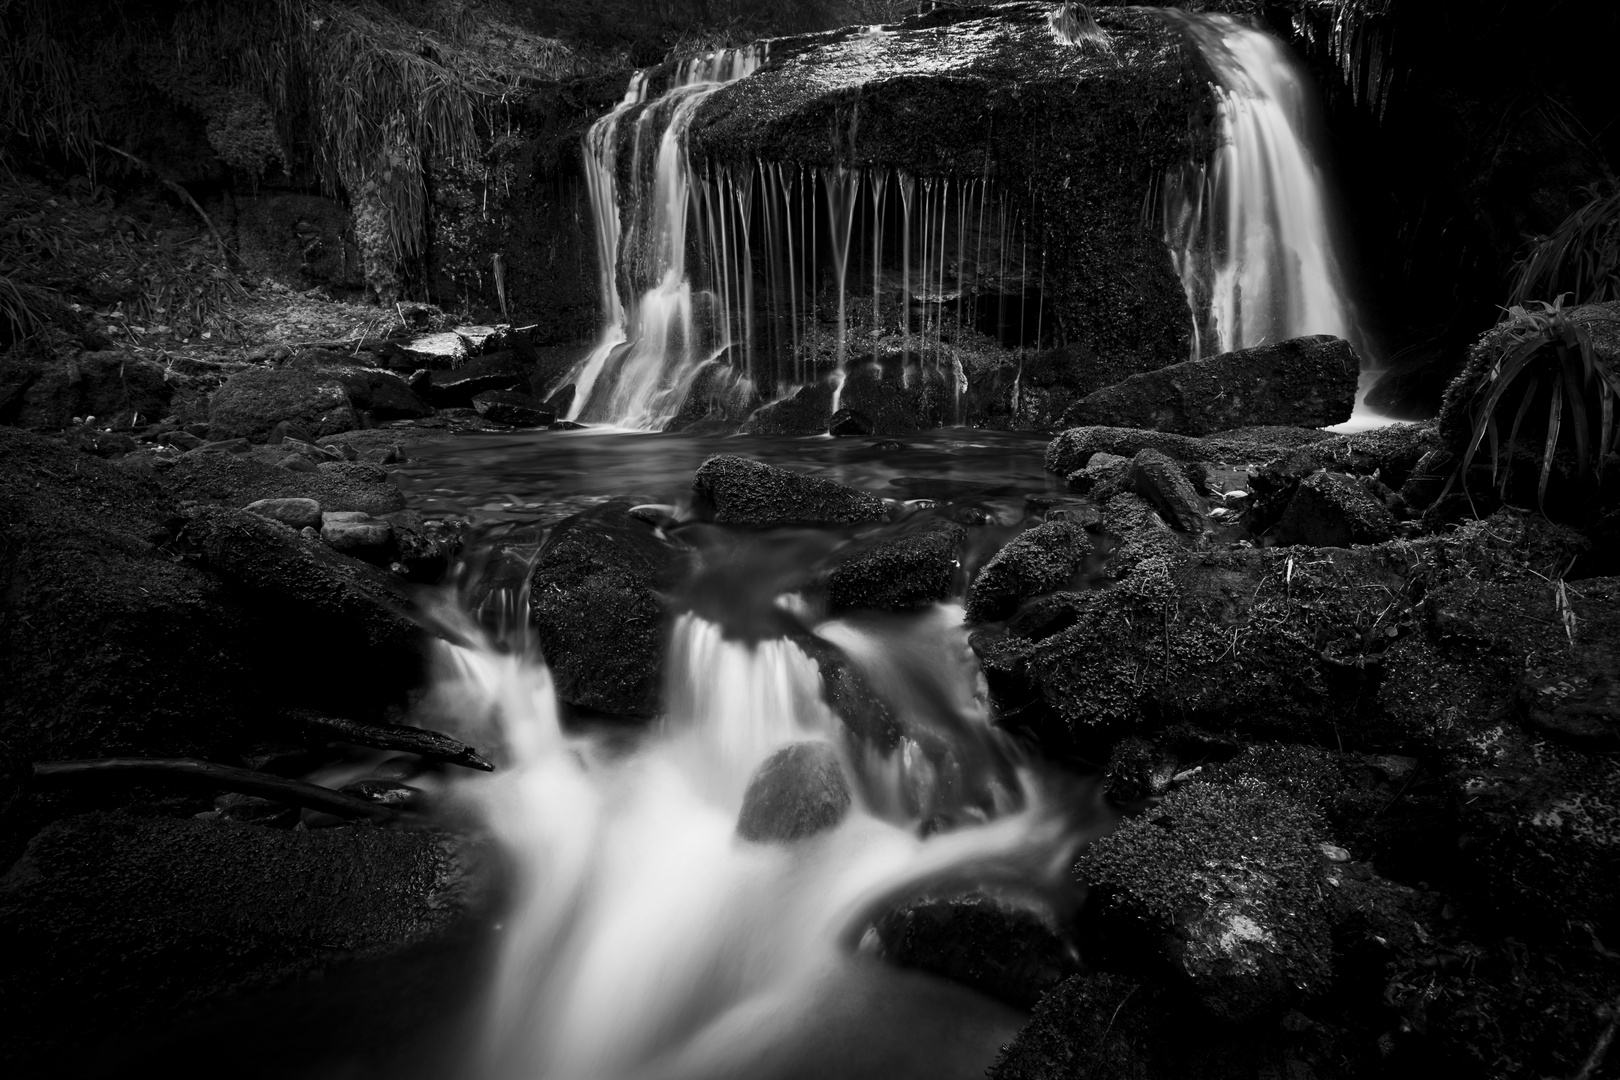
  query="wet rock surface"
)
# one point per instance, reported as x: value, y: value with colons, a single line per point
x: 797, y: 792
x: 1010, y: 950
x: 112, y: 921
x: 595, y: 604
x: 898, y: 573
x: 1044, y: 559
x: 1304, y: 382
x: 751, y: 494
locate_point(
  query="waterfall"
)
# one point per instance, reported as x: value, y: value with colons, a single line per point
x: 652, y: 343
x: 1251, y: 231
x: 644, y: 938
x: 753, y: 271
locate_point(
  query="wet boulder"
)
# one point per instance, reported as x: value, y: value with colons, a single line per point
x: 1221, y: 886
x: 363, y: 616
x: 251, y: 403
x: 1051, y: 556
x: 108, y: 643
x: 1009, y: 950
x: 751, y: 494
x: 1102, y: 477
x: 913, y: 569
x: 1138, y: 533
x: 797, y: 792
x: 1073, y: 449
x: 595, y: 603
x: 1333, y: 510
x: 807, y: 412
x: 1099, y: 1025
x: 1303, y: 382
x: 359, y: 535
x: 1162, y: 482
x: 113, y: 922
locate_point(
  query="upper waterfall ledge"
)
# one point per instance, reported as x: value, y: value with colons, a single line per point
x: 1080, y: 134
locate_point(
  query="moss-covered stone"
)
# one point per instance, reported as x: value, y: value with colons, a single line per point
x: 915, y: 568
x: 1049, y: 557
x: 748, y: 493
x: 1222, y: 884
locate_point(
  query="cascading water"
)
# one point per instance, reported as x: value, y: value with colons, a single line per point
x: 710, y: 263
x: 1252, y: 231
x: 646, y: 939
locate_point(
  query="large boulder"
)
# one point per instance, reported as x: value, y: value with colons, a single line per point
x: 797, y: 792
x: 1304, y: 382
x: 1001, y: 75
x: 912, y: 569
x: 1222, y: 886
x: 108, y: 643
x: 1044, y: 559
x: 748, y: 493
x: 370, y: 645
x: 1333, y: 510
x: 251, y: 403
x: 595, y: 601
x: 112, y: 922
x: 1010, y: 950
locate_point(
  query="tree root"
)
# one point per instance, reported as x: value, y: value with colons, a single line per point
x: 223, y: 777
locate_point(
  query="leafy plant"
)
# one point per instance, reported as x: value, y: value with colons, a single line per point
x: 1541, y: 345
x: 1580, y: 256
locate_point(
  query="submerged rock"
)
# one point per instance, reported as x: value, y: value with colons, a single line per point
x: 898, y: 573
x: 748, y: 493
x: 797, y: 792
x: 1304, y: 382
x: 1221, y: 884
x: 594, y: 601
x: 517, y: 410
x: 1008, y: 950
x: 1044, y: 559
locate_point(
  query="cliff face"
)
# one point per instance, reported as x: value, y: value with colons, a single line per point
x: 1075, y: 135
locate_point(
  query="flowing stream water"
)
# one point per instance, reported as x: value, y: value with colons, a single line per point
x: 644, y: 936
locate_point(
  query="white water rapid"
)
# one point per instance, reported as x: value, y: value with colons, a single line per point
x: 645, y: 939
x: 1252, y: 232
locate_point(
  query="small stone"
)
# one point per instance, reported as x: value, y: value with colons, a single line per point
x: 310, y: 532
x: 295, y: 512
x: 297, y: 463
x: 1333, y: 852
x: 368, y: 539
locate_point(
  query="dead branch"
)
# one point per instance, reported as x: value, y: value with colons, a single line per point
x: 429, y: 744
x: 185, y: 196
x: 222, y: 777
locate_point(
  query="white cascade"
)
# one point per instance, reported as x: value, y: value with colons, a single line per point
x: 1252, y: 231
x: 649, y: 349
x: 644, y: 938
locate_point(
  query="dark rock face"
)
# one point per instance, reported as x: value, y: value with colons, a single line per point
x: 1010, y: 951
x: 880, y: 397
x: 1002, y: 77
x: 807, y: 412
x: 1226, y: 880
x: 595, y: 605
x: 107, y: 643
x: 1073, y: 449
x: 1305, y: 382
x: 898, y: 573
x: 252, y: 402
x: 799, y: 791
x: 110, y: 921
x: 495, y: 371
x: 1041, y: 560
x: 1161, y: 481
x: 517, y: 410
x: 236, y: 480
x: 1333, y: 510
x: 48, y: 392
x: 747, y: 493
x: 361, y: 611
x: 1573, y: 696
x: 1099, y: 1026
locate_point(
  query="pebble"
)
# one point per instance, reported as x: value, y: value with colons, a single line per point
x: 1334, y: 853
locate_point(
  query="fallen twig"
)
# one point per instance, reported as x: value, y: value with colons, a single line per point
x: 430, y: 744
x: 224, y: 777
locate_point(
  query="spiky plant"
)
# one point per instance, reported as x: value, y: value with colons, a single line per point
x: 1540, y: 345
x: 1580, y: 256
